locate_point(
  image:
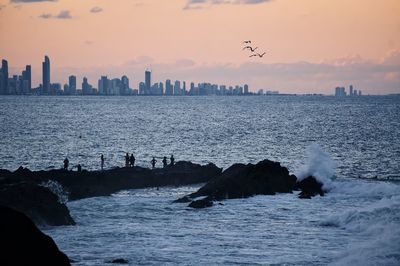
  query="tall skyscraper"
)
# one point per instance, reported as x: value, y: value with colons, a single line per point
x: 168, y: 87
x: 351, y: 90
x: 4, y: 77
x: 46, y: 75
x: 28, y: 77
x: 147, y: 81
x: 72, y: 84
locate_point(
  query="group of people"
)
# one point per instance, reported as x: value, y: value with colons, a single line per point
x: 129, y: 162
x: 66, y: 164
x: 164, y: 161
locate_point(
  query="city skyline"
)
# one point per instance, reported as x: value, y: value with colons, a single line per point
x: 14, y: 84
x: 311, y: 46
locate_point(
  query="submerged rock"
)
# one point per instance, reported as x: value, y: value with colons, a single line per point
x: 24, y: 244
x: 241, y: 181
x: 309, y: 187
x: 203, y: 203
x: 119, y: 261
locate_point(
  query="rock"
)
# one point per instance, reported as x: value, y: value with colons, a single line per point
x: 103, y: 183
x: 37, y: 202
x: 241, y: 181
x: 203, y: 203
x: 184, y: 199
x: 24, y: 244
x: 119, y: 261
x: 309, y: 187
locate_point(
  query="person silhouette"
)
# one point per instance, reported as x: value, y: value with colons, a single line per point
x: 153, y: 162
x: 79, y: 168
x: 127, y: 160
x: 172, y: 159
x: 132, y: 160
x: 102, y: 162
x: 66, y: 163
x: 164, y: 161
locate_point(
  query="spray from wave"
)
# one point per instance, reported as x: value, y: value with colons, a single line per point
x: 318, y: 164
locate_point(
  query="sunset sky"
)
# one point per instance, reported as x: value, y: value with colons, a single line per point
x: 311, y: 46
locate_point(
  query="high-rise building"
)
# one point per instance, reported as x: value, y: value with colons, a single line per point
x: 340, y: 92
x: 168, y: 87
x: 147, y: 81
x: 4, y: 77
x: 72, y: 85
x: 125, y: 90
x: 86, y: 87
x: 177, y: 87
x: 46, y: 75
x: 246, y: 89
x: 103, y: 85
x: 351, y: 90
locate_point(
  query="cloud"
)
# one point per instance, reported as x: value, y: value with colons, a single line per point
x: 64, y: 14
x: 46, y: 16
x: 31, y: 1
x: 96, y: 9
x: 199, y: 4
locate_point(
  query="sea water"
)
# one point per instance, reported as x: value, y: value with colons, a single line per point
x: 346, y: 142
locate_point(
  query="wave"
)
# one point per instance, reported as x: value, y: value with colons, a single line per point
x: 376, y: 228
x: 318, y: 164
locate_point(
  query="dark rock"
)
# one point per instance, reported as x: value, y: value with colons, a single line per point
x: 184, y: 199
x: 309, y: 187
x: 119, y: 261
x: 240, y: 181
x: 24, y: 244
x: 203, y: 203
x: 103, y: 183
x: 37, y: 202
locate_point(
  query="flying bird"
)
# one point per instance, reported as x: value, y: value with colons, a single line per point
x: 247, y: 41
x: 250, y: 48
x: 253, y: 55
x: 261, y: 55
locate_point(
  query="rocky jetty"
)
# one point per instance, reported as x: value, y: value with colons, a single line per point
x: 242, y: 181
x: 24, y: 244
x: 23, y: 189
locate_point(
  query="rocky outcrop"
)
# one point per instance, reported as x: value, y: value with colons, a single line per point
x: 103, y: 183
x: 309, y: 187
x: 24, y: 244
x: 241, y: 181
x: 37, y: 202
x: 22, y: 188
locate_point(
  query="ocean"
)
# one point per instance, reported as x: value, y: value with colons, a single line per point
x: 352, y: 144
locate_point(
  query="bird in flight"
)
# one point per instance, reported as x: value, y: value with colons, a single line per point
x: 247, y: 41
x: 261, y: 55
x: 252, y: 55
x: 250, y: 48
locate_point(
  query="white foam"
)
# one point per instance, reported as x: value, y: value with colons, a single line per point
x: 378, y: 224
x: 318, y: 164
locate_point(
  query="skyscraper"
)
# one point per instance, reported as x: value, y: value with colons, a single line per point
x: 72, y: 84
x: 46, y: 75
x: 4, y: 77
x: 147, y: 81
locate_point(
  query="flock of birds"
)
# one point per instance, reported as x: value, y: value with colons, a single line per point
x: 252, y: 49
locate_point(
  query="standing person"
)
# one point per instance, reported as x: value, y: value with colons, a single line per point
x: 79, y: 168
x: 66, y: 163
x: 172, y: 159
x: 153, y: 162
x: 127, y: 160
x: 132, y: 160
x: 164, y: 161
x: 102, y: 162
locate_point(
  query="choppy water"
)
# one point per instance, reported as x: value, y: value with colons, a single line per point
x: 357, y: 223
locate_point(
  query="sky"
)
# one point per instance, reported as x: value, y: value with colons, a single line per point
x: 312, y: 46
